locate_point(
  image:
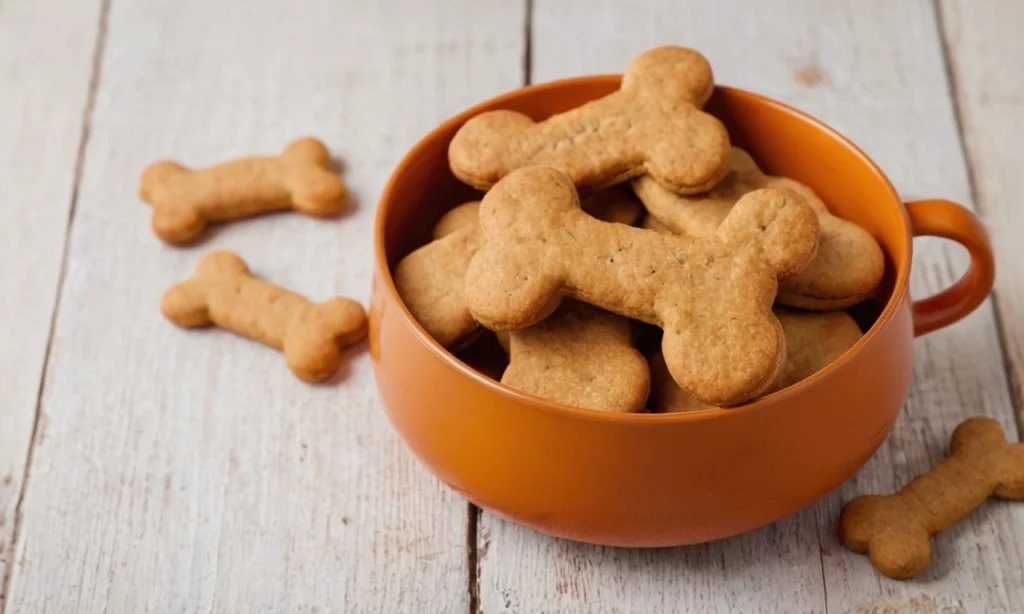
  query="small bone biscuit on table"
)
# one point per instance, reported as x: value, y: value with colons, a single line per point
x: 653, y: 124
x: 712, y: 297
x: 847, y: 268
x: 223, y: 292
x: 580, y: 356
x: 185, y: 200
x: 895, y: 531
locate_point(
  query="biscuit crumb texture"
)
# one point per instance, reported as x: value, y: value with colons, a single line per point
x: 846, y: 269
x: 653, y: 125
x: 813, y: 341
x: 895, y: 531
x: 223, y: 292
x: 580, y: 356
x: 185, y: 201
x: 712, y: 297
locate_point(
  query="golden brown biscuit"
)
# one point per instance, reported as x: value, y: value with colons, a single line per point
x: 712, y: 297
x: 580, y: 356
x: 430, y: 279
x: 224, y: 292
x: 611, y: 205
x: 555, y: 360
x: 847, y: 269
x: 813, y: 341
x: 185, y: 200
x: 457, y: 218
x: 666, y: 395
x: 895, y: 531
x: 652, y: 125
x: 651, y: 223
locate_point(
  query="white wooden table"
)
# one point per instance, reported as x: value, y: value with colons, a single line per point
x: 145, y: 469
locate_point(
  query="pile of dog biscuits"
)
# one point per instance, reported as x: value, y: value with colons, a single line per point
x: 636, y: 208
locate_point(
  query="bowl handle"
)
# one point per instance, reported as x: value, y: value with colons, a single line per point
x: 942, y: 218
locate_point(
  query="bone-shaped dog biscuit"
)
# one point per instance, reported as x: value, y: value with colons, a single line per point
x: 580, y: 356
x: 223, y: 292
x: 653, y: 124
x: 813, y: 341
x: 185, y: 200
x: 847, y: 268
x: 896, y: 531
x: 430, y: 279
x: 713, y: 297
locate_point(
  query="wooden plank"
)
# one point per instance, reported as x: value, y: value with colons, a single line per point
x: 46, y: 52
x: 874, y: 70
x: 983, y: 46
x: 524, y: 571
x: 190, y: 471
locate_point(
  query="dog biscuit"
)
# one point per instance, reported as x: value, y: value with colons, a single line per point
x: 896, y: 531
x: 580, y: 356
x: 430, y: 279
x: 185, y: 200
x: 813, y: 341
x: 457, y: 218
x: 653, y: 124
x: 849, y: 264
x: 712, y: 297
x: 224, y: 292
x: 610, y: 205
x: 651, y: 223
x: 666, y: 396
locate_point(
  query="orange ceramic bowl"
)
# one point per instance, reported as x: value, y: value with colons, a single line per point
x: 669, y: 479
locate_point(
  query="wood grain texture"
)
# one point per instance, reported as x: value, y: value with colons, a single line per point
x: 989, y: 86
x: 46, y: 52
x: 189, y: 470
x: 874, y: 70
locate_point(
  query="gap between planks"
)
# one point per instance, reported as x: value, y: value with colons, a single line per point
x: 528, y: 42
x: 1012, y: 382
x: 83, y: 141
x: 473, y: 512
x: 473, y: 557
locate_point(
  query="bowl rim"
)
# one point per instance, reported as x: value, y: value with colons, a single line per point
x: 896, y: 298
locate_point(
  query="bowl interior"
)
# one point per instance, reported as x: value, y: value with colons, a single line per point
x: 782, y: 140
